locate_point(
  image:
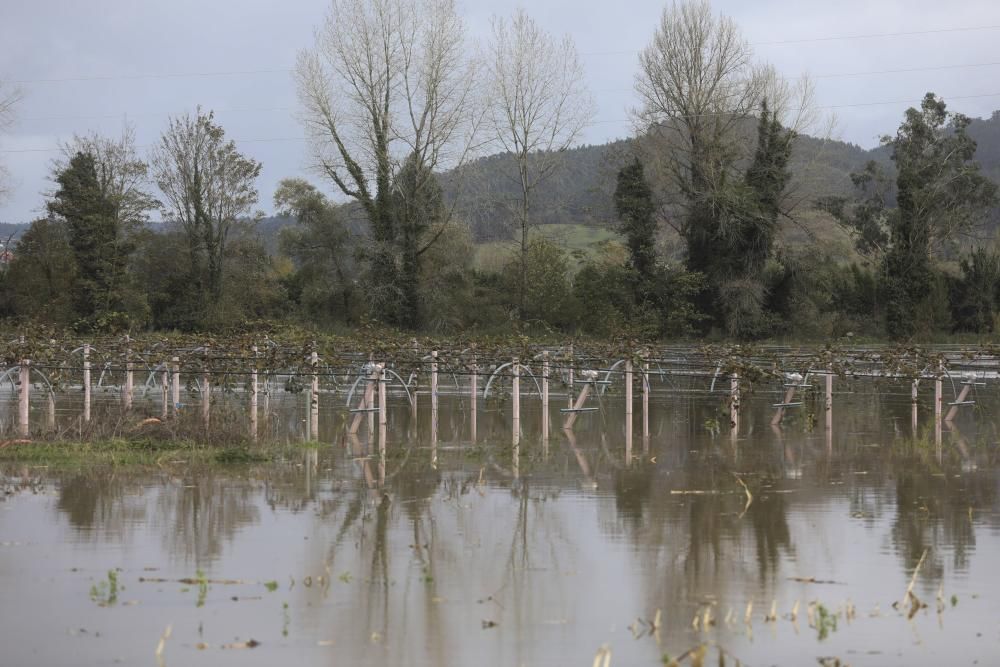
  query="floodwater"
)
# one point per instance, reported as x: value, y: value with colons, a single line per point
x: 467, y: 555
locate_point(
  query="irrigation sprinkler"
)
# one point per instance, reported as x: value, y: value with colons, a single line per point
x: 793, y: 382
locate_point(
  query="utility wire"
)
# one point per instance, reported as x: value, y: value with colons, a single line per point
x: 835, y: 75
x: 831, y: 38
x: 166, y: 75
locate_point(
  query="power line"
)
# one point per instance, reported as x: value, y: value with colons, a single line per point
x: 844, y: 75
x: 128, y: 114
x: 880, y: 35
x: 830, y: 38
x: 168, y: 75
x: 904, y: 70
x: 835, y: 75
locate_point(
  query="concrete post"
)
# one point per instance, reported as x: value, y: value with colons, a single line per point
x: 165, y: 392
x: 24, y: 399
x: 86, y: 383
x: 645, y: 403
x: 545, y: 396
x: 314, y: 396
x: 253, y: 396
x: 175, y: 389
x: 734, y: 405
x: 434, y: 402
x: 569, y: 392
x: 206, y: 394
x: 383, y: 412
x: 129, y: 378
x: 516, y: 400
x: 473, y: 396
x: 828, y: 406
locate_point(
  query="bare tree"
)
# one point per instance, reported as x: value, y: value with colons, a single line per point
x: 538, y: 107
x: 102, y: 197
x: 209, y: 188
x: 699, y: 83
x: 702, y: 92
x: 122, y: 176
x: 9, y: 97
x: 388, y: 82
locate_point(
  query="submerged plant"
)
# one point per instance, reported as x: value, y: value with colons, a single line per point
x: 105, y: 593
x: 825, y: 622
x: 202, y: 588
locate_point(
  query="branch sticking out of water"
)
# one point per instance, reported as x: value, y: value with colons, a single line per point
x: 749, y: 495
x: 163, y: 643
x: 603, y: 657
x: 915, y: 603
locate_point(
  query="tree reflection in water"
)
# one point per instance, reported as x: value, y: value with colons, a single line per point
x: 578, y: 540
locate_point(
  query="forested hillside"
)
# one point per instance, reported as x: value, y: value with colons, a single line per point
x: 581, y: 192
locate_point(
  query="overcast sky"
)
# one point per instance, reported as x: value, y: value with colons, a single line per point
x: 118, y: 44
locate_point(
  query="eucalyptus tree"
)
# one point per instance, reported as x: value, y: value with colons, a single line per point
x: 210, y: 191
x: 538, y: 106
x: 940, y: 195
x: 389, y: 83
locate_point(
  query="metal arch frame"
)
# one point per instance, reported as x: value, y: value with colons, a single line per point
x: 17, y: 367
x: 486, y: 389
x: 388, y: 371
x: 607, y: 375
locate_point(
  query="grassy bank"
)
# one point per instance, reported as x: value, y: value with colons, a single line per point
x: 117, y: 452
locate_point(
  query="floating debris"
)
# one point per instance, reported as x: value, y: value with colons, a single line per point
x: 161, y: 645
x: 603, y: 656
x: 814, y: 580
x: 772, y: 616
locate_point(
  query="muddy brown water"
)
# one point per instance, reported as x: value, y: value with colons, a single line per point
x: 463, y: 557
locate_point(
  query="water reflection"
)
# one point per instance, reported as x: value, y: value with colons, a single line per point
x: 101, y: 504
x: 447, y: 551
x: 199, y: 513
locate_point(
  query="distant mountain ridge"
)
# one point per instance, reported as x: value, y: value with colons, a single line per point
x: 580, y: 192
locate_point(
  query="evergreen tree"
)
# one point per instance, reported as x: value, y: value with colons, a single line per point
x: 320, y: 243
x: 635, y: 209
x: 100, y: 247
x: 939, y: 193
x: 418, y: 206
x: 736, y: 229
x: 767, y: 178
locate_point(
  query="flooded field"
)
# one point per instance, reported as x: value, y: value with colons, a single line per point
x: 787, y: 546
